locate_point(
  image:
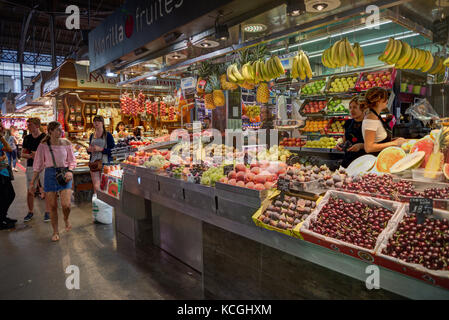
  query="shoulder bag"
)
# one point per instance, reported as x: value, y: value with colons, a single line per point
x: 60, y: 172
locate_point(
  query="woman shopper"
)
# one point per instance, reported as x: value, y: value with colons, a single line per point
x: 56, y: 156
x: 100, y: 148
x: 377, y: 133
x: 12, y: 141
x: 353, y: 144
x: 7, y: 193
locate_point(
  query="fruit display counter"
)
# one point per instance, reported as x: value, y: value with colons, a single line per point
x: 345, y: 231
x: 176, y: 220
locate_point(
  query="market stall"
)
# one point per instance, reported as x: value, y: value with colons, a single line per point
x: 78, y: 96
x: 287, y: 198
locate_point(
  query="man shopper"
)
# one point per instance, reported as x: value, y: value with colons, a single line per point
x: 30, y: 144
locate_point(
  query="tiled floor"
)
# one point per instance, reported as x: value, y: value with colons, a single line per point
x: 34, y: 268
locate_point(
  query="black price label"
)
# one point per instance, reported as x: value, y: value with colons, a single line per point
x: 283, y: 185
x: 422, y: 207
x: 227, y: 169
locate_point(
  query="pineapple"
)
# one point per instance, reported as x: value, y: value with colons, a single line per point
x: 209, y: 101
x: 263, y: 94
x: 204, y: 71
x: 209, y: 87
x: 436, y: 159
x: 218, y: 95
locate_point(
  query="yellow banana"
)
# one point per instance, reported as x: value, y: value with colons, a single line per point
x: 361, y: 56
x: 302, y: 72
x: 295, y: 73
x: 272, y: 74
x: 389, y: 49
x: 446, y: 62
x: 405, y: 54
x: 237, y: 74
x: 397, y: 53
x: 429, y: 62
x: 231, y: 77
x: 279, y: 65
x: 306, y: 63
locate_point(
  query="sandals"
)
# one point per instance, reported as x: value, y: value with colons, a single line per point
x: 55, y: 237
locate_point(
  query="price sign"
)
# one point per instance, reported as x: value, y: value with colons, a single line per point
x: 227, y: 169
x: 283, y: 185
x: 422, y: 207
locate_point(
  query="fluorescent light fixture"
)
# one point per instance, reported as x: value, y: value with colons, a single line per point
x: 151, y: 78
x: 110, y: 74
x: 386, y: 40
x: 333, y: 36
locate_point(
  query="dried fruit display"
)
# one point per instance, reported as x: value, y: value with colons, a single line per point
x: 287, y: 213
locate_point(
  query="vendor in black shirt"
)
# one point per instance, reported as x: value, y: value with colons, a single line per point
x: 353, y: 139
x: 30, y: 144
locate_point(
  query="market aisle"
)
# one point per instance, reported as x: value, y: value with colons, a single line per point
x: 34, y: 268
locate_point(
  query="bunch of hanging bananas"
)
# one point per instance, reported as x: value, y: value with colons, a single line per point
x: 301, y: 66
x: 256, y: 71
x: 403, y: 56
x: 342, y: 54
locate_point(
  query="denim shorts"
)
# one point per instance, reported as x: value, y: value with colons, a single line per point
x: 50, y: 182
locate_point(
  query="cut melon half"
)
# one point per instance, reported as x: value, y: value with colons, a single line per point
x: 411, y: 161
x: 388, y: 157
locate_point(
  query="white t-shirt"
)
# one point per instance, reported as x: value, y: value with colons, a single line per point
x: 374, y: 125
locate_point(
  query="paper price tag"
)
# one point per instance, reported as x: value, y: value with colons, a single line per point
x: 422, y: 207
x: 227, y: 169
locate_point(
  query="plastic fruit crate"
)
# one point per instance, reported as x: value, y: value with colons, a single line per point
x: 387, y: 84
x: 418, y: 271
x: 340, y: 245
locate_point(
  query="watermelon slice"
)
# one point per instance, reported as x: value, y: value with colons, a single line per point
x: 425, y: 144
x: 388, y: 157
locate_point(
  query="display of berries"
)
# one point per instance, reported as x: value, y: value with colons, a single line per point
x: 426, y: 244
x: 288, y: 212
x: 352, y: 222
x: 435, y: 193
x: 379, y: 185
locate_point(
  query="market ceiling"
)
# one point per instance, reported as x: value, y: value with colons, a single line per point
x: 272, y: 14
x: 34, y: 16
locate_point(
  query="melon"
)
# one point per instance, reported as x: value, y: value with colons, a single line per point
x: 425, y: 144
x: 446, y: 170
x: 411, y: 161
x: 388, y: 157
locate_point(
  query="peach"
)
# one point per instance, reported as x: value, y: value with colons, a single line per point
x: 259, y: 187
x: 232, y: 182
x: 260, y: 179
x: 240, y: 184
x: 268, y: 185
x: 240, y: 167
x: 240, y: 176
x: 224, y: 180
x: 255, y: 170
x: 232, y: 175
x: 249, y: 177
x: 250, y: 185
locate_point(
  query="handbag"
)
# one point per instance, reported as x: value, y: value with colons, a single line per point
x: 97, y: 165
x: 60, y: 172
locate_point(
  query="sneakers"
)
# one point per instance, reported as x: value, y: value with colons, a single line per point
x: 46, y: 217
x: 28, y: 217
x: 5, y: 225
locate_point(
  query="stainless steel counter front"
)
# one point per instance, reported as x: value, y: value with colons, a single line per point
x: 238, y: 222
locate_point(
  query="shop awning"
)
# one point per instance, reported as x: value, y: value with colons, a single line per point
x: 71, y: 76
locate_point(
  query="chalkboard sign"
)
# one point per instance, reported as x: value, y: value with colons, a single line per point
x: 422, y: 207
x: 227, y: 169
x: 283, y: 185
